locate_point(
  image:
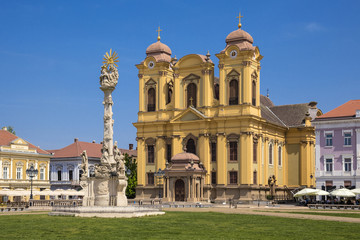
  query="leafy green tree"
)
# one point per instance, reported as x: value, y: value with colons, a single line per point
x: 131, y: 164
x: 11, y: 130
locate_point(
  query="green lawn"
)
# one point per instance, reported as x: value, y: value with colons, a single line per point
x: 350, y: 215
x: 174, y: 225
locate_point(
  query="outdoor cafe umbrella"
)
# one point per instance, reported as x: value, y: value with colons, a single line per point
x: 320, y: 192
x: 305, y: 191
x: 356, y: 190
x: 342, y: 192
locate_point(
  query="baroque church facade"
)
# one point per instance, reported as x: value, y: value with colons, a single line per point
x: 218, y: 138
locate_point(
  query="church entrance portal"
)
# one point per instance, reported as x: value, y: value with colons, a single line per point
x: 179, y: 190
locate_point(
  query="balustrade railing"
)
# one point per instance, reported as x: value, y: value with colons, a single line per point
x: 54, y: 203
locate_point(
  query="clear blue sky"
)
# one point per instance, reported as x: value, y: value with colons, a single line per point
x: 51, y: 54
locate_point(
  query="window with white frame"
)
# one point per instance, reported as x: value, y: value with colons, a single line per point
x: 270, y: 154
x: 5, y: 172
x: 347, y: 164
x: 42, y: 173
x: 328, y: 139
x: 18, y: 173
x: 329, y: 164
x: 347, y: 138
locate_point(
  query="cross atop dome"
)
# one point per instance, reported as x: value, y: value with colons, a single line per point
x: 158, y: 30
x: 239, y: 17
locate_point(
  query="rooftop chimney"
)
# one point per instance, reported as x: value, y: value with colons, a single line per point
x: 93, y: 141
x: 131, y: 146
x: 76, y: 139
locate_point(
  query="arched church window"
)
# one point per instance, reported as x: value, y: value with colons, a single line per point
x: 234, y: 92
x: 190, y: 146
x: 191, y: 95
x: 169, y: 95
x: 253, y: 90
x: 216, y: 90
x: 270, y: 154
x: 151, y: 100
x: 280, y: 156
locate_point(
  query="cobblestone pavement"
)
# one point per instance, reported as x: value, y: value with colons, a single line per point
x: 275, y: 211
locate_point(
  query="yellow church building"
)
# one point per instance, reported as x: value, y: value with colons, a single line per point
x: 217, y: 138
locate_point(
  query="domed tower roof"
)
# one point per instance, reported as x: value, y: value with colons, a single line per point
x: 160, y: 51
x: 240, y: 38
x: 158, y: 47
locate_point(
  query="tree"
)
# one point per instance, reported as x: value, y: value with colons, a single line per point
x: 11, y: 130
x: 131, y: 164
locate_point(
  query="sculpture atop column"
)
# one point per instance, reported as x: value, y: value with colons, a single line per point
x: 107, y: 184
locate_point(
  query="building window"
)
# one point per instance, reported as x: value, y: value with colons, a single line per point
x: 328, y: 185
x: 213, y: 177
x: 255, y: 146
x: 191, y: 95
x: 168, y: 152
x: 270, y: 154
x: 213, y: 151
x: 280, y: 156
x: 347, y: 164
x: 328, y: 139
x: 347, y: 184
x: 18, y: 172
x: 255, y: 177
x: 253, y: 93
x: 151, y: 100
x: 329, y: 165
x: 233, y: 151
x: 5, y: 173
x: 233, y: 177
x: 216, y: 89
x: 151, y: 154
x: 42, y: 173
x: 234, y: 92
x: 70, y: 175
x: 169, y: 94
x: 190, y: 146
x: 150, y: 178
x: 59, y: 175
x: 347, y: 139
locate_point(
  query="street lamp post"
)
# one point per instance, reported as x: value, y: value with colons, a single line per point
x: 31, y: 172
x: 159, y: 174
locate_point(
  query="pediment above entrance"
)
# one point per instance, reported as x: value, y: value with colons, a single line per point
x: 190, y: 114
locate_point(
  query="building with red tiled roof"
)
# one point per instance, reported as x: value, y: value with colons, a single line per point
x: 16, y: 156
x: 338, y: 147
x: 65, y: 162
x: 349, y: 109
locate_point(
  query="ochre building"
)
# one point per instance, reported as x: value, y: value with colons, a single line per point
x: 238, y: 144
